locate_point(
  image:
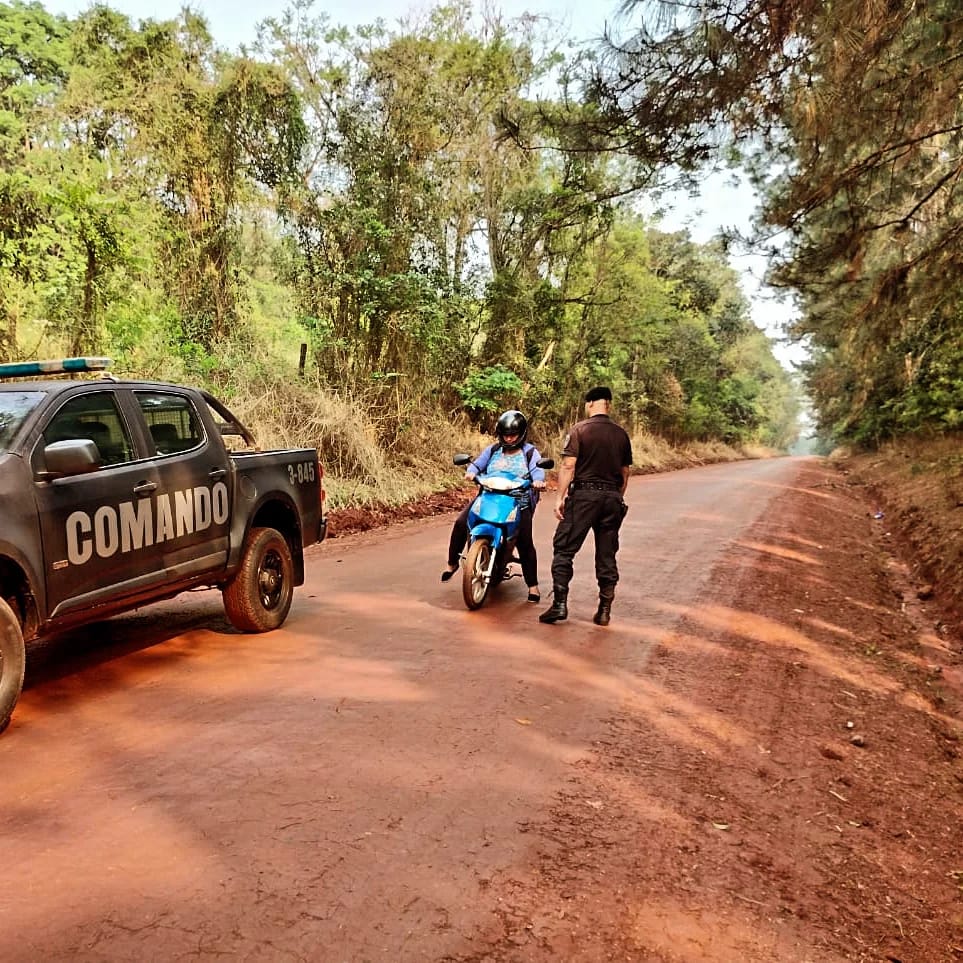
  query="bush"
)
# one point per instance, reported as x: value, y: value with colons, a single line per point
x: 490, y: 390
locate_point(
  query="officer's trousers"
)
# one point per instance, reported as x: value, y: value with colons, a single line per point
x: 600, y: 512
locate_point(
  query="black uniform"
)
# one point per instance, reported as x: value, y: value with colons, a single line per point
x: 601, y: 449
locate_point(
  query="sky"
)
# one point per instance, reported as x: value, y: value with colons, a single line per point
x: 234, y: 22
x: 721, y: 204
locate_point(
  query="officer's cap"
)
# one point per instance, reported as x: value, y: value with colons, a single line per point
x: 601, y: 393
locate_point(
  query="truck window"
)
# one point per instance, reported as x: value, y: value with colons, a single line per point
x: 234, y: 434
x: 14, y: 407
x: 95, y: 417
x: 171, y: 420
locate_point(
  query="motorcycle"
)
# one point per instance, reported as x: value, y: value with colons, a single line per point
x: 493, y: 522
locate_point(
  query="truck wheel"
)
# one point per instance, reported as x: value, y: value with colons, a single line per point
x: 474, y: 588
x: 13, y: 661
x: 258, y: 598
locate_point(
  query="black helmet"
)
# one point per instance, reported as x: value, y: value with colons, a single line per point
x: 512, y: 423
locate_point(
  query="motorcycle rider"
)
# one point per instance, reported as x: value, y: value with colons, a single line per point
x: 514, y: 456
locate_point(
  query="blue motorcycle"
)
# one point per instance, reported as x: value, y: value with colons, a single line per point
x: 492, y: 531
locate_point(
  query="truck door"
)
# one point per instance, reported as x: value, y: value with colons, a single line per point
x: 97, y: 527
x: 194, y: 498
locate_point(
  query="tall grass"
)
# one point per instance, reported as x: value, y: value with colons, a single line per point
x: 359, y: 468
x: 375, y: 448
x: 373, y: 456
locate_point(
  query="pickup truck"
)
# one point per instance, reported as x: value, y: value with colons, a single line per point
x: 117, y: 493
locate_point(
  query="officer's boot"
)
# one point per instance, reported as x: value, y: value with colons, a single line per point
x: 559, y: 610
x: 603, y: 614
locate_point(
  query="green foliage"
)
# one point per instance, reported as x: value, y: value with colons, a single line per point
x: 142, y: 147
x: 849, y: 119
x: 406, y: 201
x: 490, y: 390
x: 916, y: 387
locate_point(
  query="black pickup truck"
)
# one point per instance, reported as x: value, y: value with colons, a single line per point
x: 118, y: 493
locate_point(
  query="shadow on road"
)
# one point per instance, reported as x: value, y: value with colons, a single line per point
x: 76, y: 650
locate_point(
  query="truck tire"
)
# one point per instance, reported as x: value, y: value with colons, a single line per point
x: 258, y: 598
x: 13, y: 661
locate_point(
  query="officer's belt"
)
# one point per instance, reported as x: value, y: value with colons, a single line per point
x: 596, y: 486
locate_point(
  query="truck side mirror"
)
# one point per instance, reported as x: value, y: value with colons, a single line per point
x: 73, y: 457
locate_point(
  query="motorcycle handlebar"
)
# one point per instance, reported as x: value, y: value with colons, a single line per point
x: 524, y: 483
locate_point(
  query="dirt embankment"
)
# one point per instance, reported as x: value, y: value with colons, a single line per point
x: 349, y: 521
x: 917, y: 490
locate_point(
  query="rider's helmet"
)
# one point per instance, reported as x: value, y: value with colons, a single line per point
x: 512, y: 423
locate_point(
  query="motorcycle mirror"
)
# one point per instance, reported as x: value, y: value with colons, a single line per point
x: 545, y: 463
x: 461, y: 459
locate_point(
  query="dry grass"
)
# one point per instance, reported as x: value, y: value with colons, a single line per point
x: 384, y: 450
x: 377, y: 449
x: 365, y: 460
x: 654, y: 454
x: 759, y: 451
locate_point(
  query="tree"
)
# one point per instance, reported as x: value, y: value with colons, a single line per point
x: 33, y: 67
x: 663, y: 321
x: 204, y: 130
x: 848, y: 116
x: 431, y: 240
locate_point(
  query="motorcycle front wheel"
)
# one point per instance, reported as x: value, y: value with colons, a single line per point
x: 474, y: 585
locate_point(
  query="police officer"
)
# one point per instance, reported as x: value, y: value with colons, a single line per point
x: 591, y: 482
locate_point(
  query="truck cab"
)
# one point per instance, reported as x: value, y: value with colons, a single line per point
x: 117, y: 493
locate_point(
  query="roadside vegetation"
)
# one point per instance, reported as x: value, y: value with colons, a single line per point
x: 363, y: 470
x: 200, y: 215
x: 451, y: 216
x: 848, y: 119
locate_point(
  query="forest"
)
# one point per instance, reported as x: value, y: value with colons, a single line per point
x: 451, y: 215
x: 848, y: 118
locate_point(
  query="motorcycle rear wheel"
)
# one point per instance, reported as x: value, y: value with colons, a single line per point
x: 474, y: 586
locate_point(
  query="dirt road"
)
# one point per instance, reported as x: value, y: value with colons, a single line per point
x: 757, y: 760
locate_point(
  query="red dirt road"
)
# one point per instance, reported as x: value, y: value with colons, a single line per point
x: 391, y: 777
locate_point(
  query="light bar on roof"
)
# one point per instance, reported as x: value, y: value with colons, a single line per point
x: 30, y: 369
